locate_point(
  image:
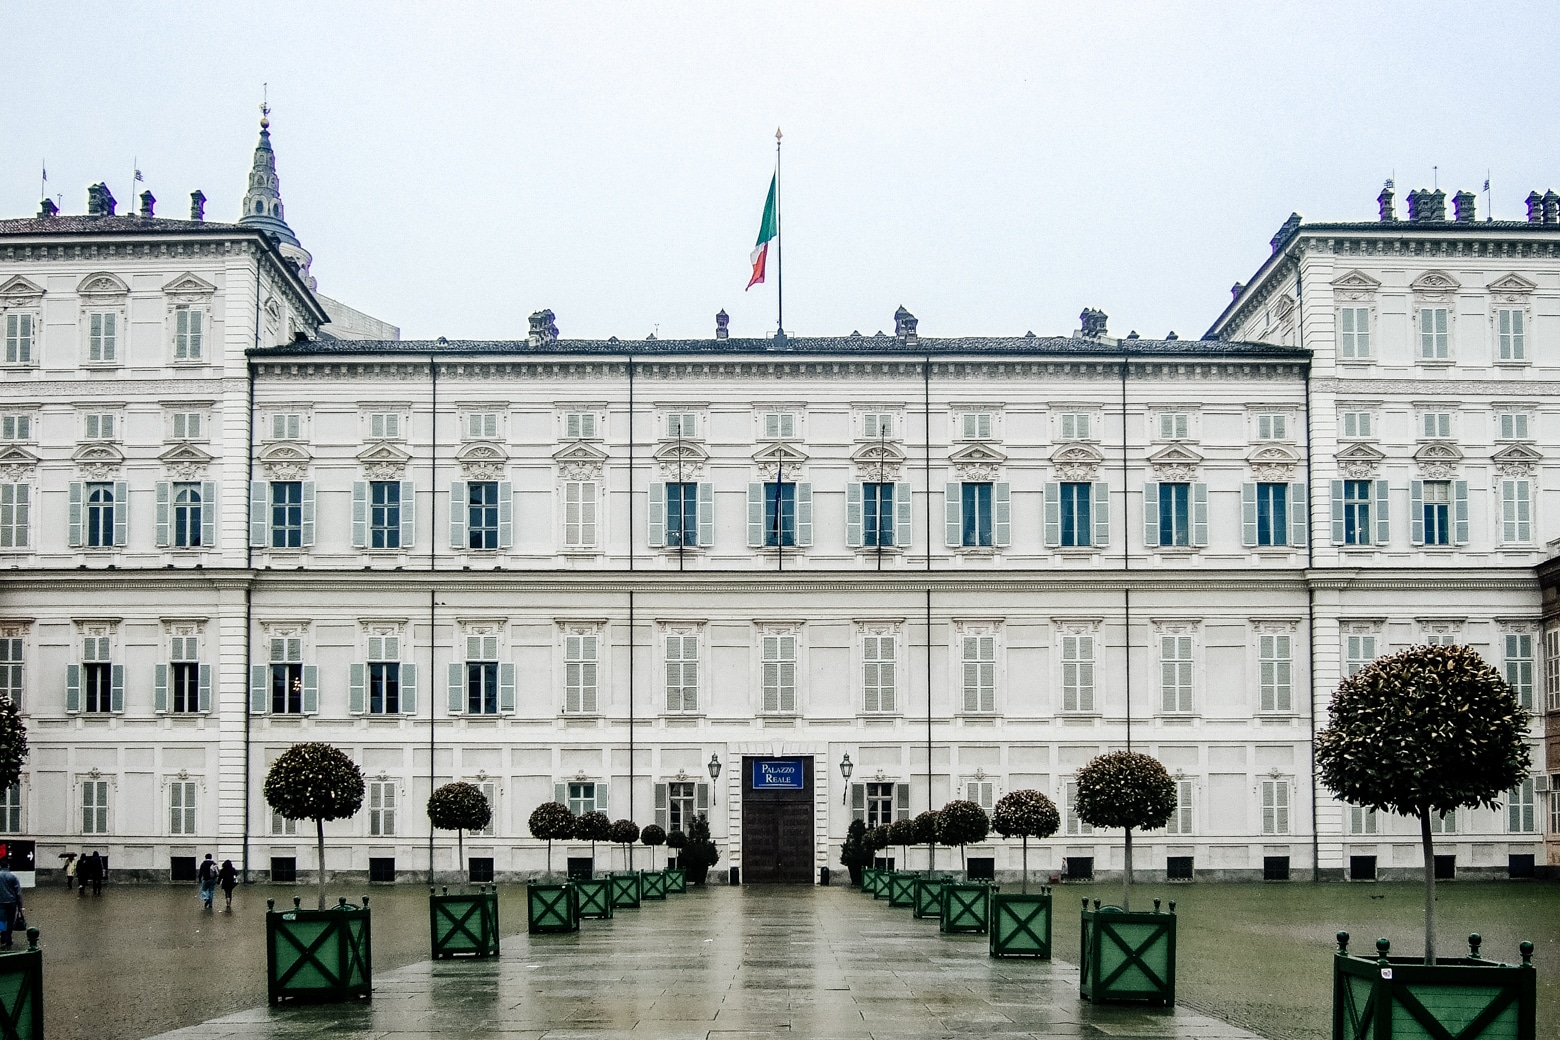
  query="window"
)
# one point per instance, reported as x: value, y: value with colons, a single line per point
x: 681, y: 799
x: 1077, y: 514
x: 384, y: 514
x: 1520, y: 808
x: 99, y: 426
x: 489, y: 791
x: 286, y: 676
x: 1175, y: 672
x: 1275, y: 807
x: 384, y: 675
x: 18, y: 339
x: 97, y: 673
x: 1275, y: 663
x: 877, y: 425
x: 102, y: 337
x: 1356, y: 424
x: 1519, y: 666
x: 1513, y: 426
x: 1554, y: 804
x: 186, y: 426
x: 11, y: 809
x: 188, y: 329
x: 1433, y: 337
x: 1174, y: 426
x: 977, y: 426
x: 1509, y: 327
x: 780, y: 425
x: 1182, y: 819
x: 282, y: 826
x: 681, y: 425
x: 579, y: 426
x: 582, y: 797
x: 779, y: 514
x: 682, y: 514
x: 286, y: 514
x: 287, y: 427
x: 878, y: 673
x: 880, y: 804
x: 187, y: 516
x: 482, y: 514
x: 1436, y: 511
x: 1272, y: 427
x: 579, y: 672
x: 1354, y: 333
x: 1438, y: 636
x: 1075, y: 426
x: 779, y: 665
x: 381, y: 808
x: 1552, y: 673
x: 1075, y: 823
x: 384, y: 426
x: 1362, y: 819
x: 980, y: 673
x: 184, y: 675
x: 978, y: 514
x: 579, y: 514
x: 181, y: 807
x: 1175, y: 514
x: 1443, y: 823
x: 11, y: 669
x: 982, y: 792
x: 1359, y: 650
x: 482, y: 675
x: 1077, y: 673
x: 94, y: 807
x: 1516, y: 511
x: 482, y: 426
x: 100, y: 514
x: 15, y: 428
x: 1436, y: 425
x: 877, y: 514
x: 682, y: 673
x: 1272, y: 514
x: 15, y: 510
x: 975, y: 510
x: 1355, y: 506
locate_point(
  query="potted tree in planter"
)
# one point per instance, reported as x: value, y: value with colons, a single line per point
x: 1125, y: 955
x: 676, y: 877
x: 700, y: 853
x: 627, y: 886
x: 928, y: 887
x: 652, y: 836
x: 963, y: 904
x: 877, y: 837
x: 466, y: 922
x: 855, y: 853
x: 1424, y: 732
x: 1021, y: 921
x: 551, y: 906
x: 551, y: 821
x: 926, y: 832
x: 317, y: 954
x: 901, y: 882
x: 593, y: 826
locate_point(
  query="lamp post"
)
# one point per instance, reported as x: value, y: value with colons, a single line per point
x: 846, y: 768
x: 714, y: 767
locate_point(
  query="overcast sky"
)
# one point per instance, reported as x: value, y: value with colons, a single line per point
x: 995, y: 167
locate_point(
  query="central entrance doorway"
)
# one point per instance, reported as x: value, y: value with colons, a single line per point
x: 777, y: 820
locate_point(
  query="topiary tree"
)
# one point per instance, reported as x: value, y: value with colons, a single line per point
x: 1025, y: 814
x: 652, y: 836
x: 699, y: 853
x: 1128, y: 790
x: 1428, y: 730
x: 625, y: 833
x: 551, y: 821
x: 878, y: 838
x: 903, y: 833
x: 593, y: 826
x: 13, y: 743
x: 459, y: 807
x: 318, y: 782
x: 962, y: 823
x: 856, y: 853
x: 676, y: 839
x: 926, y: 834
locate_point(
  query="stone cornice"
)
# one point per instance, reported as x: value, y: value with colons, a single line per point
x: 1505, y: 389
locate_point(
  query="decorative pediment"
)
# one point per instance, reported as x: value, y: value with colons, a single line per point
x: 482, y: 460
x: 1511, y: 283
x: 1175, y: 461
x: 98, y: 460
x: 1517, y: 460
x: 103, y: 284
x: 1438, y: 460
x: 1435, y: 283
x: 285, y: 460
x: 1272, y: 462
x: 878, y: 460
x: 1077, y: 462
x: 188, y: 286
x: 681, y: 460
x: 186, y: 461
x: 16, y: 462
x: 773, y: 459
x: 19, y: 290
x: 382, y: 461
x: 1359, y: 461
x: 1355, y: 281
x: 979, y: 461
x: 580, y: 461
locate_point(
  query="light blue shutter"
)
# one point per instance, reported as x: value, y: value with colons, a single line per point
x: 408, y: 514
x: 656, y: 525
x: 308, y: 512
x: 160, y: 688
x: 75, y: 513
x: 603, y: 803
x: 755, y: 515
x: 953, y: 513
x: 804, y: 514
x: 506, y: 687
x: 853, y: 496
x: 1416, y: 512
x: 121, y: 512
x: 1337, y: 512
x: 1299, y: 508
x: 357, y: 688
x: 1248, y: 514
x: 506, y: 514
x: 1151, y: 514
x: 203, y: 701
x: 409, y: 689
x: 904, y: 526
x: 73, y: 687
x: 1199, y: 514
x: 359, y: 514
x: 1053, y: 514
x: 164, y: 492
x: 706, y: 514
x: 1099, y: 502
x: 1002, y: 514
x: 117, y: 694
x: 660, y: 806
x: 259, y: 499
x: 561, y: 794
x: 1383, y: 527
x: 257, y: 685
x: 701, y: 797
x: 311, y: 689
x: 457, y: 688
x: 208, y: 514
x: 458, y: 515
x: 1460, y: 512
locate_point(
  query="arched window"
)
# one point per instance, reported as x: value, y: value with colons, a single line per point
x: 100, y: 515
x: 186, y: 515
x: 259, y: 207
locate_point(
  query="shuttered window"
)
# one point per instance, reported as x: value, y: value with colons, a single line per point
x: 579, y: 514
x: 779, y: 667
x: 18, y: 339
x: 1511, y: 326
x: 579, y: 673
x: 1434, y: 338
x: 1275, y: 664
x: 181, y: 807
x: 1353, y: 333
x: 381, y: 808
x: 94, y: 807
x: 980, y: 673
x: 1175, y: 673
x: 878, y: 679
x: 1519, y: 666
x: 1275, y: 807
x: 102, y: 337
x: 682, y: 673
x: 188, y: 333
x: 1077, y: 673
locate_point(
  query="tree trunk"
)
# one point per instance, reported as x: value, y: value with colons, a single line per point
x: 1025, y: 885
x: 931, y: 858
x: 1429, y: 845
x: 1126, y: 876
x: 319, y: 845
x: 549, y: 858
x: 460, y: 851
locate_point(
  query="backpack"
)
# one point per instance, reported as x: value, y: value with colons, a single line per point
x: 208, y: 870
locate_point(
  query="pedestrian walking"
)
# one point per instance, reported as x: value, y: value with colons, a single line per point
x: 10, y: 903
x: 227, y: 877
x: 208, y: 880
x: 70, y: 869
x: 83, y: 873
x: 95, y: 868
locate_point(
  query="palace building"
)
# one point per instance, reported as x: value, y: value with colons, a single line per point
x: 788, y: 581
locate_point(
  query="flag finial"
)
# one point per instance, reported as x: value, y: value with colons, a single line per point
x: 777, y: 133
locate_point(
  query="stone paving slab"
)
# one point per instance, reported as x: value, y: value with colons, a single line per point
x: 747, y: 963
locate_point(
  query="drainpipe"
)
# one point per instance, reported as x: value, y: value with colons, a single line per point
x: 433, y: 548
x: 1126, y: 549
x: 249, y: 600
x: 1310, y: 588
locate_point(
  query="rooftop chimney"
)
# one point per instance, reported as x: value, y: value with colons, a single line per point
x: 1384, y: 200
x: 904, y: 326
x: 48, y: 209
x: 543, y: 329
x: 100, y: 202
x: 148, y: 204
x: 1426, y: 205
x: 1093, y: 322
x: 1462, y: 207
x: 722, y: 319
x: 1535, y: 207
x: 197, y: 205
x: 1236, y: 290
x: 1286, y: 231
x: 1551, y: 208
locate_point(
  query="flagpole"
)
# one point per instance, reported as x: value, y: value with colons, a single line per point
x: 779, y: 256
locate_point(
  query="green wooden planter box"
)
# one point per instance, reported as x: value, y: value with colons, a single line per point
x: 882, y: 885
x: 551, y: 908
x: 626, y: 891
x: 676, y: 881
x: 21, y: 992
x: 1127, y: 955
x: 466, y: 922
x: 653, y: 884
x: 593, y: 897
x: 901, y: 888
x: 928, y: 897
x: 318, y: 955
x: 1021, y: 924
x: 965, y: 906
x: 869, y: 879
x: 1403, y: 998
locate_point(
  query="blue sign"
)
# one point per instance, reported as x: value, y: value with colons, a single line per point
x: 778, y: 774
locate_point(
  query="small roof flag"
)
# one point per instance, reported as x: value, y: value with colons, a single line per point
x: 767, y: 229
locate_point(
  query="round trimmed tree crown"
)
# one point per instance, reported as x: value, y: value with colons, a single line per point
x: 551, y: 821
x: 903, y: 832
x: 593, y: 826
x: 925, y: 827
x: 1125, y: 789
x: 962, y: 823
x: 459, y: 807
x: 625, y: 832
x: 653, y: 835
x: 314, y: 781
x: 1025, y: 814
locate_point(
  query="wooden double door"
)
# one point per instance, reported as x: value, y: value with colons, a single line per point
x: 777, y: 823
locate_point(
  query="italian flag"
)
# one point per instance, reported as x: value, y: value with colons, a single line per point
x: 767, y: 230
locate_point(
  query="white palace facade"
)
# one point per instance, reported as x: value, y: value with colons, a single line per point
x: 632, y: 575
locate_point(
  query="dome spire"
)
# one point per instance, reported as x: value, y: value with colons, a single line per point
x: 263, y: 200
